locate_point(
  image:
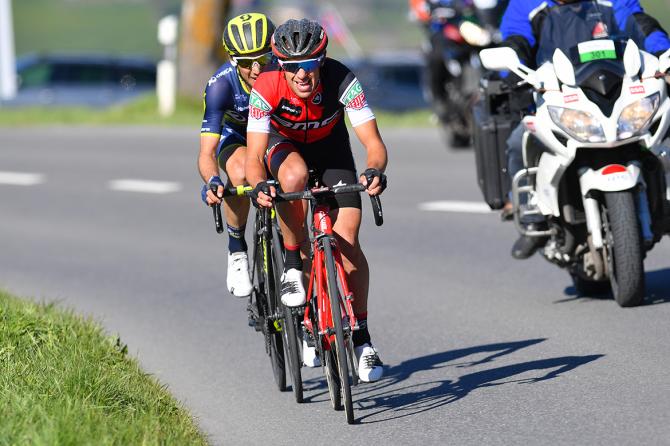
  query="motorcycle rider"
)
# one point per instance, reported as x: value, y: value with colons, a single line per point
x: 535, y: 28
x: 246, y: 38
x: 435, y: 16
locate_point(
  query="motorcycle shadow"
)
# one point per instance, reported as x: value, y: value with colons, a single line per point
x: 657, y: 284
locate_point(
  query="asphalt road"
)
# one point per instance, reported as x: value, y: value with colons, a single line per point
x: 480, y: 348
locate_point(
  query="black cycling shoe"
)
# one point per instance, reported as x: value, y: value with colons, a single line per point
x: 526, y: 246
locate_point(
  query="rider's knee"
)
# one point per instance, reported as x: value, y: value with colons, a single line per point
x: 293, y: 178
x: 235, y: 171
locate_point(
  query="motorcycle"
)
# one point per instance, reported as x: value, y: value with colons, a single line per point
x: 459, y: 30
x: 594, y: 164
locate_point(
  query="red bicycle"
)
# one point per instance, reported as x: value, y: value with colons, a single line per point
x: 329, y: 315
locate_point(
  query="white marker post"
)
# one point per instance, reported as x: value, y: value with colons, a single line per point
x: 166, y: 71
x: 7, y: 59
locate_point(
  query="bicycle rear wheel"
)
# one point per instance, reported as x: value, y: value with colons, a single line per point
x: 340, y: 355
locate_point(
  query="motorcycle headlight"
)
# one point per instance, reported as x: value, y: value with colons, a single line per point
x: 579, y: 124
x: 636, y: 116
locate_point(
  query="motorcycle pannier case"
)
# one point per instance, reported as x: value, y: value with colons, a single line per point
x: 493, y: 123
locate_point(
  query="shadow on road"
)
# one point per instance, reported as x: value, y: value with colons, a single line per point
x: 658, y: 289
x: 398, y: 373
x: 388, y: 400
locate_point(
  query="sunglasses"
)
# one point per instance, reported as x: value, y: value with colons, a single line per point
x: 293, y: 66
x: 248, y: 62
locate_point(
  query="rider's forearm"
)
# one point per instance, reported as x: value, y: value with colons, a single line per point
x: 207, y: 164
x: 368, y: 134
x: 377, y: 157
x: 254, y: 167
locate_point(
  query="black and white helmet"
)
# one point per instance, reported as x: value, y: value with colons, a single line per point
x: 299, y: 39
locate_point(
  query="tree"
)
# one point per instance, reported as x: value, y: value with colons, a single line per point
x: 200, y: 51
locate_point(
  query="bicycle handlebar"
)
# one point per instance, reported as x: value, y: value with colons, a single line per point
x: 308, y: 194
x: 311, y: 194
x: 238, y: 191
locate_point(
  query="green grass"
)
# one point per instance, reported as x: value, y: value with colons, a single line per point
x: 143, y: 111
x: 64, y: 382
x: 119, y: 26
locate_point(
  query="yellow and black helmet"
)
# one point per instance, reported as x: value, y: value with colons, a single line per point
x: 248, y: 34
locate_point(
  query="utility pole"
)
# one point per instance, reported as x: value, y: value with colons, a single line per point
x: 201, y: 26
x: 7, y: 58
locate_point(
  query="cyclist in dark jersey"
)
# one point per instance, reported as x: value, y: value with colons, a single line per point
x: 296, y: 123
x: 246, y: 38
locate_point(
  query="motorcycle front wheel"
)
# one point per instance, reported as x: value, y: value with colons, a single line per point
x: 625, y: 250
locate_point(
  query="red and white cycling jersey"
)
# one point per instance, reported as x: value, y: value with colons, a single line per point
x: 272, y: 103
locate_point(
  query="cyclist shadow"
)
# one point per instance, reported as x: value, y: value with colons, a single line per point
x: 388, y: 400
x: 396, y: 374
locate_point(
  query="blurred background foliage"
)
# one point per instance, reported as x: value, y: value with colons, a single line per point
x: 129, y: 26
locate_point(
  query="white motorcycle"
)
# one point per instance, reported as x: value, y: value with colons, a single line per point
x: 593, y: 156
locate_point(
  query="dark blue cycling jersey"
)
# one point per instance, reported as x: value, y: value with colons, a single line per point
x: 523, y: 19
x: 226, y: 103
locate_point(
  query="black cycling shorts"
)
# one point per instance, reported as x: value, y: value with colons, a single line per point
x: 330, y: 158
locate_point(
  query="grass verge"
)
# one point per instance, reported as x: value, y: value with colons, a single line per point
x: 63, y: 381
x: 144, y: 111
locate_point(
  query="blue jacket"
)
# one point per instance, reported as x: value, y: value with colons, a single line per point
x: 523, y: 22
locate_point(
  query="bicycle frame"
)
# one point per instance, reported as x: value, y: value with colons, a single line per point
x: 322, y: 232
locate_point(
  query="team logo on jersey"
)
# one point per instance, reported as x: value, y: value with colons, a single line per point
x: 258, y: 107
x: 316, y: 100
x: 287, y: 107
x: 599, y: 31
x: 353, y: 97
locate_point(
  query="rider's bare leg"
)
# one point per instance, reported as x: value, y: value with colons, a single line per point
x: 292, y: 176
x: 346, y: 224
x: 236, y: 208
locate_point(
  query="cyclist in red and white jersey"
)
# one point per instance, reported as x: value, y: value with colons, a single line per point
x: 296, y: 123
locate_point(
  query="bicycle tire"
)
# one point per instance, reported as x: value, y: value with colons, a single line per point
x: 333, y: 379
x: 290, y: 325
x: 340, y: 349
x: 272, y: 330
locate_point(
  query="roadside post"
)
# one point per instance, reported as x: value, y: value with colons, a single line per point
x: 166, y: 70
x: 8, y: 85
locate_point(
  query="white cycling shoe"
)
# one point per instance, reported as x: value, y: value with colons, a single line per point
x: 370, y: 367
x: 309, y: 356
x: 237, y: 280
x: 292, y: 290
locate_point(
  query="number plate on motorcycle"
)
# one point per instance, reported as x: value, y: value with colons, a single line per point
x: 596, y: 50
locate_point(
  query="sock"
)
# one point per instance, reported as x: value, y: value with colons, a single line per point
x: 361, y: 336
x: 293, y: 259
x: 236, y: 241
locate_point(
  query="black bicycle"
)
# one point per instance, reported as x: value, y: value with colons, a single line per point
x: 281, y: 325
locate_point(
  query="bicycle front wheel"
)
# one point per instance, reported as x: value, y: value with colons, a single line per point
x: 267, y: 306
x: 340, y: 351
x: 291, y: 323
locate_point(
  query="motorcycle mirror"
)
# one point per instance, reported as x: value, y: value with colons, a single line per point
x: 505, y: 58
x: 632, y: 61
x: 563, y: 68
x: 499, y: 59
x: 664, y: 62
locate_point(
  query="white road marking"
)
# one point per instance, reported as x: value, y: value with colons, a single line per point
x: 456, y: 206
x: 146, y: 186
x: 21, y: 179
